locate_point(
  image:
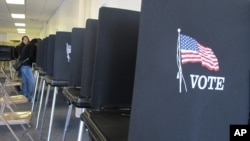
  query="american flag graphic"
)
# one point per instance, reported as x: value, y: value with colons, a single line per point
x: 194, y: 52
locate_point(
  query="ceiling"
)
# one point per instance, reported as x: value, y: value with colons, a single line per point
x: 37, y: 13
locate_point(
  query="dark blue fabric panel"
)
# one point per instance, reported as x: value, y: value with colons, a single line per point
x: 50, y: 54
x: 115, y: 57
x: 214, y: 99
x: 39, y: 53
x: 5, y: 53
x: 75, y: 65
x: 88, y: 58
x: 61, y: 63
x: 45, y: 56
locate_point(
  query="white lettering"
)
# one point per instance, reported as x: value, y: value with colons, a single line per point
x: 211, y: 79
x: 239, y: 132
x: 220, y: 83
x: 207, y: 82
x: 194, y: 80
x: 243, y: 131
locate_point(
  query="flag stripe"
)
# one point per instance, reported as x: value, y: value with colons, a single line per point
x: 194, y: 52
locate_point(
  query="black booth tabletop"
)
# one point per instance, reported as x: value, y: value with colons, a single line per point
x: 107, y: 125
x: 58, y: 83
x: 73, y: 95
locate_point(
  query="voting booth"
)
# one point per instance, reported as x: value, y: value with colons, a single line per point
x: 192, y: 70
x: 89, y: 53
x: 50, y: 54
x: 115, y: 58
x: 61, y: 52
x: 79, y: 93
x: 113, y: 75
x: 75, y: 55
x: 44, y: 51
x: 39, y: 53
x: 5, y: 53
x: 60, y: 71
x: 76, y: 96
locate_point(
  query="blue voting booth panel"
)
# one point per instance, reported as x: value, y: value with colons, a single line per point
x: 5, y: 53
x: 44, y: 51
x: 50, y: 54
x: 61, y: 61
x: 113, y: 76
x: 115, y: 58
x: 39, y: 53
x: 75, y: 64
x: 193, y: 84
x: 88, y: 58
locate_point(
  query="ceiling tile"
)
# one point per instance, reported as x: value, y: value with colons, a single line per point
x: 36, y: 11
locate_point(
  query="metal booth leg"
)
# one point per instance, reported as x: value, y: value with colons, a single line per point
x: 80, y: 128
x: 52, y: 112
x: 67, y: 121
x: 40, y: 105
x: 39, y: 90
x: 44, y: 111
x: 34, y: 95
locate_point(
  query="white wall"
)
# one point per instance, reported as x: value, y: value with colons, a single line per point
x: 7, y: 38
x: 134, y: 5
x: 70, y: 14
x: 2, y: 37
x: 73, y: 13
x: 18, y: 36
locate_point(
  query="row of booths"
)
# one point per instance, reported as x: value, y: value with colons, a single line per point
x: 95, y: 67
x: 126, y: 71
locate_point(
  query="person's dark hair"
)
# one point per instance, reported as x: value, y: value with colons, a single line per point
x: 25, y: 37
x: 35, y: 40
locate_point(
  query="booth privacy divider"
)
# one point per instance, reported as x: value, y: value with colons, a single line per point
x: 113, y: 75
x: 192, y: 70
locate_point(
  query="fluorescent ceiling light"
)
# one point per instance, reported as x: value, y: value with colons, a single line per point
x: 19, y: 24
x: 21, y: 29
x: 15, y: 1
x: 18, y: 16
